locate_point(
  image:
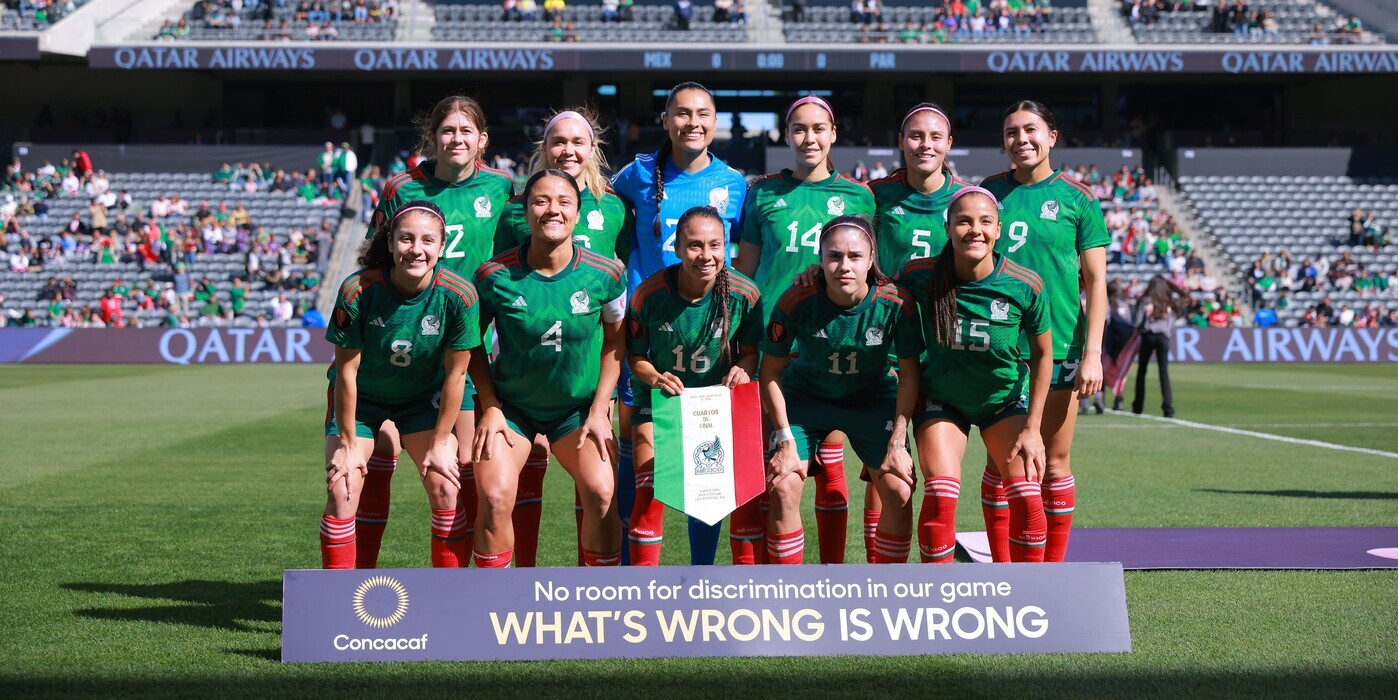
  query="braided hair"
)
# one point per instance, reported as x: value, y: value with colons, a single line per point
x: 942, y: 296
x: 663, y: 153
x: 720, y: 313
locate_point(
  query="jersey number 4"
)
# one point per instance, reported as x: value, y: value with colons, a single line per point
x: 553, y: 336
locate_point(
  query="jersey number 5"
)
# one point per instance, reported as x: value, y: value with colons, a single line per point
x: 921, y: 243
x: 456, y: 233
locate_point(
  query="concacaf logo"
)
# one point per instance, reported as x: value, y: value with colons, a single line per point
x: 381, y: 621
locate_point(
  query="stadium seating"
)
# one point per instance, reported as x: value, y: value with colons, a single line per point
x: 831, y: 24
x: 1305, y: 215
x: 652, y: 24
x: 269, y: 24
x: 277, y: 212
x: 25, y: 17
x: 1295, y: 20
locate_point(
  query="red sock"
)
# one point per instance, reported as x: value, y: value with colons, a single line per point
x: 891, y: 549
x: 607, y: 559
x: 936, y: 530
x: 789, y: 548
x: 577, y: 517
x: 997, y: 516
x: 764, y: 504
x: 871, y: 526
x: 1027, y: 528
x: 529, y: 506
x: 647, y: 521
x: 448, y: 539
x: 1060, y: 498
x: 745, y: 533
x: 498, y: 560
x: 466, y: 499
x: 831, y: 503
x: 336, y: 543
x: 372, y: 516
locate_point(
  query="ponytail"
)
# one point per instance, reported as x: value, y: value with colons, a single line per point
x: 660, y: 157
x: 720, y: 314
x: 942, y: 297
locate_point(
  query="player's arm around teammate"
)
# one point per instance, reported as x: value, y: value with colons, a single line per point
x: 846, y: 325
x: 975, y: 307
x: 398, y: 324
x: 557, y: 309
x: 681, y: 326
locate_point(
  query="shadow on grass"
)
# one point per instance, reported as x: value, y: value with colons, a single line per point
x: 734, y: 678
x: 217, y: 604
x: 1299, y: 493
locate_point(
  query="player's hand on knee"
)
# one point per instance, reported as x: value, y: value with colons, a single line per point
x: 441, y: 458
x: 598, y: 427
x: 1029, y: 446
x: 490, y: 431
x: 899, y: 463
x: 344, y: 461
x: 784, y: 463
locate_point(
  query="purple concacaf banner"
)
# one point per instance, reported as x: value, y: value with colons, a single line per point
x: 695, y: 611
x: 178, y: 346
x: 1303, y: 345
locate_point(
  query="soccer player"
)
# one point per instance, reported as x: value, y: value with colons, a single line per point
x: 783, y: 217
x: 1054, y: 227
x: 471, y: 197
x: 400, y: 323
x: 680, y: 332
x: 846, y: 325
x: 976, y: 305
x: 661, y: 186
x: 910, y: 218
x: 571, y: 143
x: 557, y: 309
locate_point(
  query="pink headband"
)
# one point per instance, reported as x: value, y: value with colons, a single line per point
x: 570, y: 114
x: 972, y: 190
x: 405, y: 210
x: 922, y: 108
x: 810, y: 100
x: 853, y: 222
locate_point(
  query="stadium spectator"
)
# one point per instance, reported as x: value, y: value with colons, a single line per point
x: 684, y: 12
x: 1350, y: 32
x: 798, y: 11
x: 528, y: 12
x: 723, y: 11
x: 281, y: 309
x: 611, y: 11
x: 554, y: 10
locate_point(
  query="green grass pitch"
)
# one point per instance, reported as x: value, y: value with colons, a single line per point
x: 147, y: 513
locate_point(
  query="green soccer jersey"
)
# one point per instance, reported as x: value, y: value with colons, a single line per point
x: 842, y: 354
x: 472, y: 209
x: 1045, y: 227
x: 909, y: 224
x: 784, y: 216
x: 600, y: 225
x: 549, y: 328
x: 684, y: 337
x: 403, y: 342
x: 982, y: 369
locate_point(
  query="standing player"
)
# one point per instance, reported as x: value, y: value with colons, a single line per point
x: 557, y: 309
x: 571, y: 143
x: 471, y: 197
x: 976, y: 307
x: 661, y: 186
x: 847, y: 324
x: 910, y: 218
x: 782, y: 219
x: 399, y: 323
x: 680, y: 330
x: 1055, y: 228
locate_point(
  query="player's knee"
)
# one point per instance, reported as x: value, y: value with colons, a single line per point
x: 787, y: 492
x: 897, y: 493
x: 498, y: 500
x: 1058, y: 467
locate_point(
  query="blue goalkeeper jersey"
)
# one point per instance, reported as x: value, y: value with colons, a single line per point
x: 717, y: 185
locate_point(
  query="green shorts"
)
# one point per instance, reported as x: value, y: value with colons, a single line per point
x: 411, y: 417
x: 1065, y: 373
x: 527, y: 426
x: 868, y: 425
x: 934, y: 410
x: 639, y: 400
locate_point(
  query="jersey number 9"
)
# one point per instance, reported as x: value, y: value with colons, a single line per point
x: 1019, y: 233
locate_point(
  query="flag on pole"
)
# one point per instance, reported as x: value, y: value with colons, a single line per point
x: 708, y: 450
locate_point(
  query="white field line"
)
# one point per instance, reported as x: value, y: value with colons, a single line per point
x: 1262, y: 436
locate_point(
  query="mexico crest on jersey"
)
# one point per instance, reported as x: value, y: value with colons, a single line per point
x: 431, y: 325
x: 718, y: 199
x: 835, y: 206
x: 1000, y: 309
x: 873, y: 336
x: 1049, y: 210
x: 595, y: 220
x: 482, y: 206
x: 580, y: 301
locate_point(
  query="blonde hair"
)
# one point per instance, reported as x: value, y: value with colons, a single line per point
x: 592, y: 177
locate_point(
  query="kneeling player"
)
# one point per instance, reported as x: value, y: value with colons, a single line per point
x: 398, y: 322
x: 844, y: 326
x: 975, y: 304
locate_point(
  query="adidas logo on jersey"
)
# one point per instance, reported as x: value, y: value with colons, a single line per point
x: 899, y: 211
x: 378, y: 321
x: 780, y: 203
x: 519, y: 303
x: 665, y: 327
x: 821, y: 334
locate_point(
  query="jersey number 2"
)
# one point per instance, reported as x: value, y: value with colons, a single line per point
x: 456, y: 233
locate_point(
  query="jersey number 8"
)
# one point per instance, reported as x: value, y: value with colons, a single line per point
x: 402, y: 353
